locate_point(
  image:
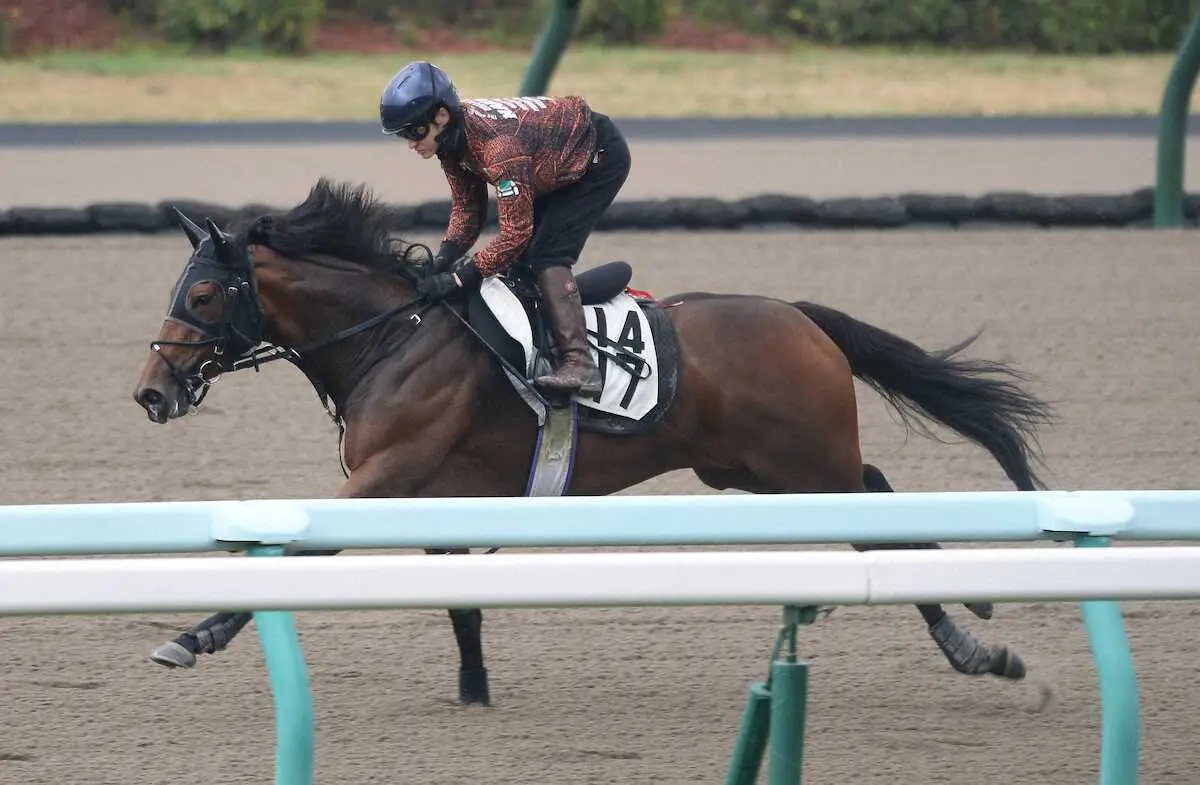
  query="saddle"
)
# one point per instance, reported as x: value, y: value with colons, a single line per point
x: 632, y: 341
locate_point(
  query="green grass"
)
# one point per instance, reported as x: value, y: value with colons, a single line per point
x: 165, y: 84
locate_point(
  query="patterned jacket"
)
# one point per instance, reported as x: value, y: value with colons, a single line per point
x: 524, y: 148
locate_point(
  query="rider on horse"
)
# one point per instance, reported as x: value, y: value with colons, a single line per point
x: 556, y: 165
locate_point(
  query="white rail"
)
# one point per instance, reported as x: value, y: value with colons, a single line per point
x: 598, y: 579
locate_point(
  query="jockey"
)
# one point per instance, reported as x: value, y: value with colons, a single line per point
x: 555, y: 164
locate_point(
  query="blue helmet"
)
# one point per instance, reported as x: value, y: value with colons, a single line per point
x: 413, y: 96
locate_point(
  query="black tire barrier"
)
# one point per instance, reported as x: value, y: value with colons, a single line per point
x: 913, y: 210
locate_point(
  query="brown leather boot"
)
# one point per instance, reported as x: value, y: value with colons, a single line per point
x: 576, y: 372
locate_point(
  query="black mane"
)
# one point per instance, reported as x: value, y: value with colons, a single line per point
x: 340, y: 220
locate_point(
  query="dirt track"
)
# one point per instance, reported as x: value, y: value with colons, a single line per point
x: 1106, y: 320
x: 819, y: 168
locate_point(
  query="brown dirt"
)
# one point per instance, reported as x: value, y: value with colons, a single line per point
x: 1105, y: 319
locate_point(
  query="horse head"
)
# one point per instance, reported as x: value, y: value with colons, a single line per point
x: 215, y: 317
x: 324, y: 274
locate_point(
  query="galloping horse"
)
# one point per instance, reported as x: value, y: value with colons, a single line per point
x: 434, y: 400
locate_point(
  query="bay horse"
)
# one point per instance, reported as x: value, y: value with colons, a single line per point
x: 755, y: 393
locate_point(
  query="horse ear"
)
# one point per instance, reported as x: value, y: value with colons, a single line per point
x: 219, y: 238
x: 194, y: 233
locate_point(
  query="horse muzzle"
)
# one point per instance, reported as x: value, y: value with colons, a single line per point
x: 160, y: 407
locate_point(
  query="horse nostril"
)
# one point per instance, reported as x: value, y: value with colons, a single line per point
x: 150, y: 397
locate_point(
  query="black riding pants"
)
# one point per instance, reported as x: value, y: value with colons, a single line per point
x: 564, y: 219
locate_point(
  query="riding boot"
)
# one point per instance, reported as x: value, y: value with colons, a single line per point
x: 576, y: 370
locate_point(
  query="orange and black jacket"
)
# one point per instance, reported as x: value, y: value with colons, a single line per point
x: 524, y: 148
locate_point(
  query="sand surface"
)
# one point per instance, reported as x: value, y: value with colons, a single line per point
x: 1106, y: 320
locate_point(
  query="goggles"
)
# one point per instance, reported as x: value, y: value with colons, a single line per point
x: 414, y: 132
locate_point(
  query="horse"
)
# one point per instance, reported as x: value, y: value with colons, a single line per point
x: 750, y: 392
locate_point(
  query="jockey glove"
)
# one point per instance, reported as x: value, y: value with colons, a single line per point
x: 468, y: 273
x: 437, y: 287
x: 440, y: 286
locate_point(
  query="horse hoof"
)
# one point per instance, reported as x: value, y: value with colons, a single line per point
x: 1007, y: 665
x: 983, y: 610
x: 172, y: 655
x: 473, y: 687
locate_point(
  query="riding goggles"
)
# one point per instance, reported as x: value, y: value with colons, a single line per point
x: 414, y: 132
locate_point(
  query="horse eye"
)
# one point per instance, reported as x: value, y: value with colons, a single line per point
x: 202, y: 300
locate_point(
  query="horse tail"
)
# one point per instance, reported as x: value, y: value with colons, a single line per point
x: 978, y: 399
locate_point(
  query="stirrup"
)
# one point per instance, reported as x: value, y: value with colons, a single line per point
x: 555, y: 381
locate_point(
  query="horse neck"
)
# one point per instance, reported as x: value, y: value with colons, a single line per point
x: 307, y: 303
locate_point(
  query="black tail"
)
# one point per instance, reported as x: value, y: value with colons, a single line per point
x: 994, y: 413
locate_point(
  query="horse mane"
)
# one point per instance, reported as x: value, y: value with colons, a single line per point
x: 338, y: 219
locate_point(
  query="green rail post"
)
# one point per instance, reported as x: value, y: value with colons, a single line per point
x: 550, y: 45
x: 1172, y: 129
x: 789, y: 705
x: 1118, y: 684
x: 289, y: 687
x: 775, y: 713
x: 752, y: 737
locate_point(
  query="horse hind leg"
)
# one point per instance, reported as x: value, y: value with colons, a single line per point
x: 964, y: 653
x: 875, y: 482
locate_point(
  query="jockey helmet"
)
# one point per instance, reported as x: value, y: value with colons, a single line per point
x: 413, y: 96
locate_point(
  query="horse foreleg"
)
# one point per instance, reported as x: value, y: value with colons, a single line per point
x: 468, y: 632
x: 472, y: 675
x: 209, y: 636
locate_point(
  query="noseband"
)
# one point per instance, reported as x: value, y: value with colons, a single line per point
x: 235, y: 333
x: 238, y: 332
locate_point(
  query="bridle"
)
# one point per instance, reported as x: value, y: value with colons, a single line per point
x: 236, y: 331
x: 237, y: 334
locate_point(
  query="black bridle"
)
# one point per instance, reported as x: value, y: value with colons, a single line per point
x: 237, y: 334
x: 238, y: 328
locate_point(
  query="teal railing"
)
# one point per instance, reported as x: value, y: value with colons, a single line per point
x: 774, y: 719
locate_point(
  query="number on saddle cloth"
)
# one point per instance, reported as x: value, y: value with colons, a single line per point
x: 505, y: 314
